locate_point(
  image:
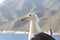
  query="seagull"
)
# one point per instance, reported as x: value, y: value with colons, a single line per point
x: 35, y: 32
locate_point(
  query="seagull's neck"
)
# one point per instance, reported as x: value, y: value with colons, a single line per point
x: 34, y: 28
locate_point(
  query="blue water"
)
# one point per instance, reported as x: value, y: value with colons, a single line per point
x: 13, y: 37
x: 18, y: 37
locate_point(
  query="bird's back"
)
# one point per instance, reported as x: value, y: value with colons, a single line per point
x: 42, y: 36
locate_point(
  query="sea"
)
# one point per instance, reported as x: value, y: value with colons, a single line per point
x: 19, y: 37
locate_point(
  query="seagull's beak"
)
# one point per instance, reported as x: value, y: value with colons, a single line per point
x: 23, y: 19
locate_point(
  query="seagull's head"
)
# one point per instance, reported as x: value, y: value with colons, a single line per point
x: 30, y: 16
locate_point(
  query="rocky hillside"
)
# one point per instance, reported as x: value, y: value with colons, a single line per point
x: 48, y: 12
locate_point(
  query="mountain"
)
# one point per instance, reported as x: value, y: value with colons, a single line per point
x: 13, y: 10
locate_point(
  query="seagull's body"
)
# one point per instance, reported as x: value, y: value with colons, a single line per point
x: 35, y: 33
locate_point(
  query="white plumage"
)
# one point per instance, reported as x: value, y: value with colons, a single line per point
x: 34, y: 27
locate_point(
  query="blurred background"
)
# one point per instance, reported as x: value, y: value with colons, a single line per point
x: 11, y: 11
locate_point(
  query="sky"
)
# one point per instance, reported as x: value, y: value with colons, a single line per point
x: 1, y: 1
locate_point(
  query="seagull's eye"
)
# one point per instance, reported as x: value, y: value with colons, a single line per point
x: 30, y: 15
